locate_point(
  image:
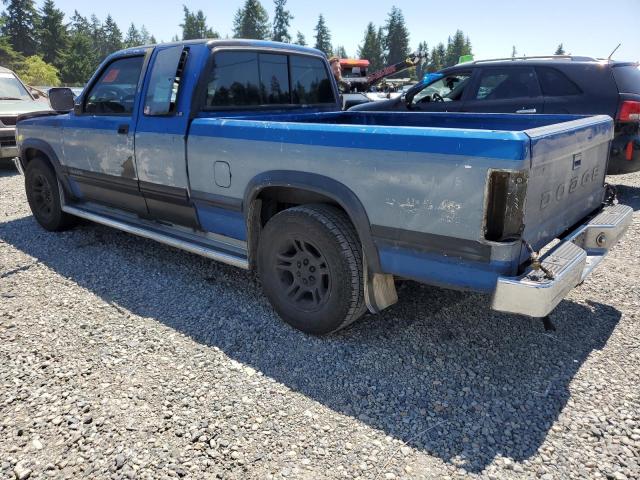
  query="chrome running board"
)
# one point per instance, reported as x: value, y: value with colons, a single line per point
x: 207, y: 249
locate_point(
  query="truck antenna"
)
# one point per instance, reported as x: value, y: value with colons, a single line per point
x: 614, y: 51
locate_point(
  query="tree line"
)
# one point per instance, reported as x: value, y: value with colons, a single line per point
x: 46, y: 49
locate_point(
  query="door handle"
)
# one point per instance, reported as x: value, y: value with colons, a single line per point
x: 527, y: 110
x: 123, y: 129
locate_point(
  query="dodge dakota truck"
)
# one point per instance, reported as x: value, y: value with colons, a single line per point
x: 238, y: 151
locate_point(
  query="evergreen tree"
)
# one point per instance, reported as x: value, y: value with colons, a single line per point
x: 396, y: 42
x: 560, y: 50
x: 281, y: 22
x: 300, y: 39
x: 195, y: 26
x: 421, y: 69
x: 514, y: 52
x: 133, y: 38
x: 372, y: 48
x: 82, y: 57
x: 97, y: 34
x: 457, y: 47
x: 251, y: 21
x: 19, y: 24
x: 52, y: 35
x: 323, y: 36
x: 112, y: 35
x: 144, y: 35
x: 340, y: 52
x: 152, y: 40
x: 438, y: 57
x: 8, y: 56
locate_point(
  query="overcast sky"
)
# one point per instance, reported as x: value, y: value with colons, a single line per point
x: 535, y: 27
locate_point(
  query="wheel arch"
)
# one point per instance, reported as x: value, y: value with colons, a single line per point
x: 318, y: 188
x: 31, y: 148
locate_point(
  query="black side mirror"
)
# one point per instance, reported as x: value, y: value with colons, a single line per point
x: 61, y: 99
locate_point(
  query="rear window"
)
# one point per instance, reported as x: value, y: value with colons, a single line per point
x: 310, y: 81
x: 627, y: 78
x: 240, y: 79
x: 555, y: 83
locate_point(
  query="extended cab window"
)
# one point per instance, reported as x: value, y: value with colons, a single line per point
x: 310, y: 81
x: 234, y: 80
x: 555, y: 83
x: 447, y: 89
x: 505, y: 83
x: 164, y: 82
x: 115, y: 91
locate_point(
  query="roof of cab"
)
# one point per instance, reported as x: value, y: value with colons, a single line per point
x: 235, y: 42
x: 5, y: 70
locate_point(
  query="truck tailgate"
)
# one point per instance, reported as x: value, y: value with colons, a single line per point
x: 566, y: 181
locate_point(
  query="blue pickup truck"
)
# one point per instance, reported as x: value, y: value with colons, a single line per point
x: 238, y: 151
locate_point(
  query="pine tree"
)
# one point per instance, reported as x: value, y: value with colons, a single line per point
x: 371, y: 48
x: 281, y: 22
x: 52, y: 35
x: 8, y: 56
x: 251, y: 21
x: 457, y: 47
x: 195, y: 26
x: 340, y: 52
x: 300, y: 39
x: 144, y: 35
x: 112, y: 35
x: 133, y: 38
x: 82, y: 57
x: 397, y: 37
x: 19, y: 24
x: 560, y: 50
x: 152, y: 40
x: 323, y: 36
x: 421, y: 68
x: 438, y: 57
x: 514, y: 52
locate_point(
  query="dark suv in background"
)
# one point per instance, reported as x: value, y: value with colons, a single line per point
x: 558, y: 84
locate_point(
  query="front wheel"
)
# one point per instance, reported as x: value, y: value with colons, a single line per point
x: 43, y: 195
x: 310, y: 264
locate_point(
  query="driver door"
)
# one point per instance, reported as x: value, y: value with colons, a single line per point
x: 443, y: 95
x: 98, y: 138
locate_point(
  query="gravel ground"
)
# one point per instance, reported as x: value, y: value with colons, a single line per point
x: 122, y: 358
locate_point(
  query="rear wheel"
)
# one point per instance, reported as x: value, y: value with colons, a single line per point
x: 43, y: 196
x: 310, y: 264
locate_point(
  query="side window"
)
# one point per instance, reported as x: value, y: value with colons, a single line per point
x: 555, y: 83
x: 164, y: 82
x: 115, y: 91
x: 274, y: 79
x: 505, y: 83
x: 447, y: 89
x: 234, y: 80
x: 310, y: 81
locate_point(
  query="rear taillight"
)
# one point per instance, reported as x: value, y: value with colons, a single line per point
x: 629, y: 111
x: 506, y: 193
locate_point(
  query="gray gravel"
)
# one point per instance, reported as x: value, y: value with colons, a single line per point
x: 122, y: 358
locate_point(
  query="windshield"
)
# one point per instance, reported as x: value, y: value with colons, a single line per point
x: 449, y: 88
x: 11, y: 88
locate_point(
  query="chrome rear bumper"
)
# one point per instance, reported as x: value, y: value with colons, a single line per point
x: 570, y: 262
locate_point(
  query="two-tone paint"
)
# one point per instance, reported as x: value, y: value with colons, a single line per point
x: 414, y: 185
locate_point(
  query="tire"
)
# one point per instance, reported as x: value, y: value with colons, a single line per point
x: 43, y: 195
x: 310, y: 265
